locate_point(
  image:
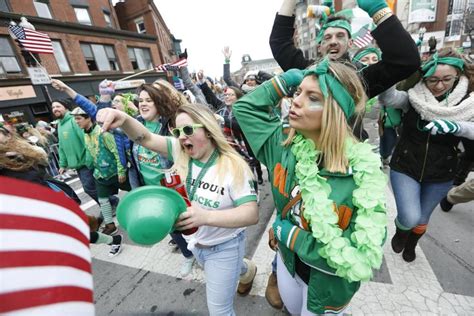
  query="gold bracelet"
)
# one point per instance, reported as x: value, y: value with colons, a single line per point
x: 380, y: 14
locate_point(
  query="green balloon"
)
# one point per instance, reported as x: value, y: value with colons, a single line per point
x: 149, y: 213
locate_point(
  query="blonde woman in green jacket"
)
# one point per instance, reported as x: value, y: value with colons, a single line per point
x: 328, y: 188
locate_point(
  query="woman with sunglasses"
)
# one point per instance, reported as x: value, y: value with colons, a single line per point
x: 219, y: 184
x: 424, y: 161
x: 157, y: 105
x: 328, y: 188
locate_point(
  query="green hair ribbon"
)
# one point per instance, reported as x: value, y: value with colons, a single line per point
x: 368, y: 50
x: 343, y: 24
x: 329, y: 82
x: 429, y: 67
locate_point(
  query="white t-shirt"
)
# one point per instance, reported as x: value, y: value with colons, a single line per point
x: 212, y: 195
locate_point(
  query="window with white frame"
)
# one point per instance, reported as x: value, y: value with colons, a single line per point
x: 108, y: 19
x: 140, y: 58
x: 7, y: 57
x: 60, y: 57
x: 140, y: 23
x: 82, y: 15
x: 100, y: 57
x: 42, y: 8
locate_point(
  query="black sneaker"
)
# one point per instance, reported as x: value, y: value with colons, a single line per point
x: 116, y: 246
x: 445, y: 204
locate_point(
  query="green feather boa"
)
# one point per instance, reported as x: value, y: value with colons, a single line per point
x: 352, y: 258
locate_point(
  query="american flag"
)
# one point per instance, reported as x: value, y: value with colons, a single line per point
x: 31, y: 40
x: 174, y: 66
x: 363, y: 37
x: 45, y: 260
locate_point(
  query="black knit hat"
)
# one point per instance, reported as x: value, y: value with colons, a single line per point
x: 67, y: 103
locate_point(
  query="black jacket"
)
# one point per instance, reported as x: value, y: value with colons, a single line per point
x: 400, y: 57
x: 422, y: 156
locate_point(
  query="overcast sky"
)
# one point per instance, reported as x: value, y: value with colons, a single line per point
x: 206, y: 26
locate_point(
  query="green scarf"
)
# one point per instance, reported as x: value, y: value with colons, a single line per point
x: 328, y: 82
x: 429, y: 67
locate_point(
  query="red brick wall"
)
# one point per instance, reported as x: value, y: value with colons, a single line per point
x: 61, y: 10
x: 72, y: 50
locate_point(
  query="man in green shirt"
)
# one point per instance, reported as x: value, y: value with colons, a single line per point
x: 109, y: 174
x: 72, y: 150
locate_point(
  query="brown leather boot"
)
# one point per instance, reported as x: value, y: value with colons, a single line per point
x: 246, y: 280
x: 272, y: 294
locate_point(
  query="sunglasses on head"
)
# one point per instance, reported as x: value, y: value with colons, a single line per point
x: 187, y: 130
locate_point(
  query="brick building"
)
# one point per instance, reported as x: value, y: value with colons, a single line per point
x: 89, y: 46
x: 142, y: 16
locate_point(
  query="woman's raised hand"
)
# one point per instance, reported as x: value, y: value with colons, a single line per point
x: 110, y: 118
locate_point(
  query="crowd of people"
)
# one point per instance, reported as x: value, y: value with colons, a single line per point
x: 306, y: 126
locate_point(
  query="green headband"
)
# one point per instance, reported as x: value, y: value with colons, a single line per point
x: 429, y: 68
x: 369, y: 50
x: 342, y: 24
x: 338, y: 91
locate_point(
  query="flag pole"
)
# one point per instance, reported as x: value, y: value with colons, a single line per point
x: 36, y: 60
x: 137, y: 74
x: 43, y: 87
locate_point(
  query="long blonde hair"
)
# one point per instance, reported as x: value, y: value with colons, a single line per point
x: 334, y: 127
x: 229, y: 161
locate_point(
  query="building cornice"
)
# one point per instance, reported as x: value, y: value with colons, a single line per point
x: 45, y: 25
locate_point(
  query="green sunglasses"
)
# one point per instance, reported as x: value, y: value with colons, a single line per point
x: 187, y: 130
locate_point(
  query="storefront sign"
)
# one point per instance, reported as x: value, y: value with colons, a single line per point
x: 128, y: 84
x: 422, y: 11
x: 17, y: 92
x: 38, y: 76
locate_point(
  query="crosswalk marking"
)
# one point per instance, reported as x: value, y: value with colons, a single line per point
x: 415, y: 288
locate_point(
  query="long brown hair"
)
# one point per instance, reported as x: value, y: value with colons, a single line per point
x: 166, y: 98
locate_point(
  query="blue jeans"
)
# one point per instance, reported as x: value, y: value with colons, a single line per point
x: 416, y: 201
x: 387, y: 142
x: 133, y: 178
x: 222, y: 266
x: 182, y: 244
x: 88, y: 183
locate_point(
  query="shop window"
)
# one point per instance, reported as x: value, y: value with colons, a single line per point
x: 140, y: 58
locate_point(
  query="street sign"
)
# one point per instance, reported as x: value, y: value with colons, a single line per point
x: 38, y: 76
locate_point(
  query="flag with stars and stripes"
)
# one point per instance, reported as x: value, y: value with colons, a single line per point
x: 174, y: 66
x: 45, y: 260
x: 31, y: 40
x: 363, y: 37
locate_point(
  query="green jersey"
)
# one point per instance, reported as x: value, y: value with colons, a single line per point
x: 327, y: 292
